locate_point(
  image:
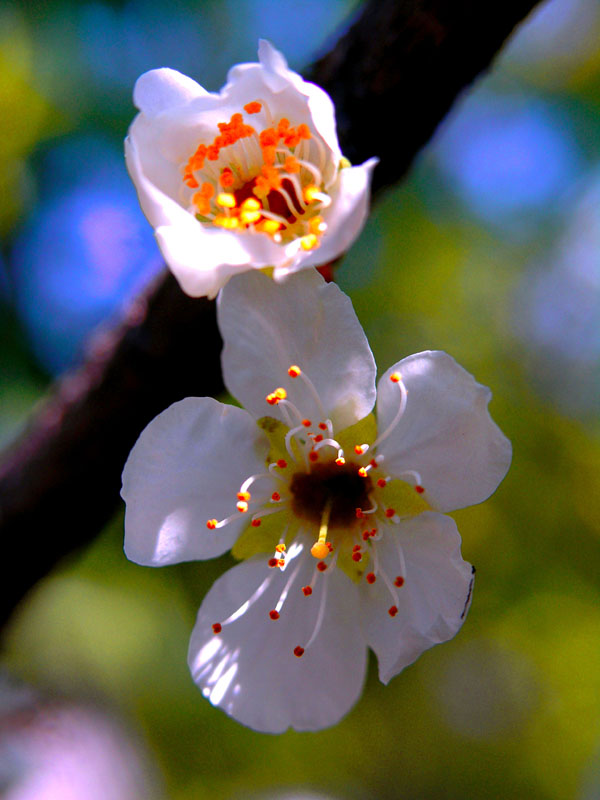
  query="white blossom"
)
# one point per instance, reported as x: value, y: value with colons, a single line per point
x: 336, y: 514
x: 250, y: 178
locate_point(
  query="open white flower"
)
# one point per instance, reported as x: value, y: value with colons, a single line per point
x: 252, y: 177
x: 337, y: 516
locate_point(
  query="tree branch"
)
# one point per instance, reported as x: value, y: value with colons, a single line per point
x: 392, y: 76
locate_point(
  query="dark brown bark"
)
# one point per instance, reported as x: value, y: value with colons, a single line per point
x: 393, y: 76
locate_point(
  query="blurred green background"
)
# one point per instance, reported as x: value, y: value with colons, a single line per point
x: 490, y: 250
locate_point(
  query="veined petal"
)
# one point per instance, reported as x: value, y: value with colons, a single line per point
x: 445, y: 434
x: 186, y: 468
x: 249, y: 668
x: 433, y: 601
x: 303, y: 321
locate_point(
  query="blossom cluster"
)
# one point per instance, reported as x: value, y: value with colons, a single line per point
x: 331, y: 492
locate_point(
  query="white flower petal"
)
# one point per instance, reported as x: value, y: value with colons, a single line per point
x: 186, y: 468
x: 446, y: 432
x: 249, y: 668
x: 433, y: 601
x: 177, y: 114
x: 161, y: 89
x: 345, y: 217
x: 304, y: 321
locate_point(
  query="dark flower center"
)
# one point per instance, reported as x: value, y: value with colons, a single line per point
x: 340, y: 485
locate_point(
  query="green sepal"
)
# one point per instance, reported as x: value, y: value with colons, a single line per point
x: 262, y: 539
x: 276, y: 431
x: 403, y: 498
x: 353, y: 569
x: 362, y: 432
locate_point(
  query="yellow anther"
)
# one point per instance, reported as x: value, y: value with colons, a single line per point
x: 226, y: 200
x: 395, y: 377
x: 317, y: 225
x: 294, y: 371
x: 344, y: 163
x: 270, y: 226
x: 242, y: 506
x: 250, y: 217
x: 280, y: 393
x: 243, y: 496
x: 309, y: 242
x: 319, y: 550
x: 251, y: 204
x: 340, y: 461
x: 358, y: 449
x: 280, y: 548
x: 311, y: 192
x: 229, y: 223
x: 363, y: 472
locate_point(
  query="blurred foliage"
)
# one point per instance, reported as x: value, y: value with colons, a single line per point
x: 491, y: 251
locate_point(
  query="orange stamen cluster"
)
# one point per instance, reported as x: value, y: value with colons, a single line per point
x: 250, y: 183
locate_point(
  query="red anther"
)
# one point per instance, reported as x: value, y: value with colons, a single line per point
x: 319, y: 437
x: 399, y: 581
x: 275, y: 497
x: 313, y: 456
x: 294, y: 371
x: 371, y: 577
x: 321, y: 566
x: 323, y: 426
x: 392, y: 611
x: 274, y: 614
x: 381, y: 482
x: 330, y: 546
x: 358, y: 449
x: 281, y: 562
x: 366, y: 535
x: 373, y: 531
x: 273, y: 562
x: 373, y: 463
x: 271, y: 399
x: 340, y: 461
x: 307, y: 423
x: 419, y: 489
x: 389, y: 512
x: 282, y: 463
x: 357, y: 556
x: 356, y: 547
x: 252, y: 108
x: 243, y: 496
x: 211, y: 524
x: 359, y: 513
x: 298, y: 651
x: 255, y: 523
x: 395, y: 377
x: 217, y: 627
x: 307, y: 590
